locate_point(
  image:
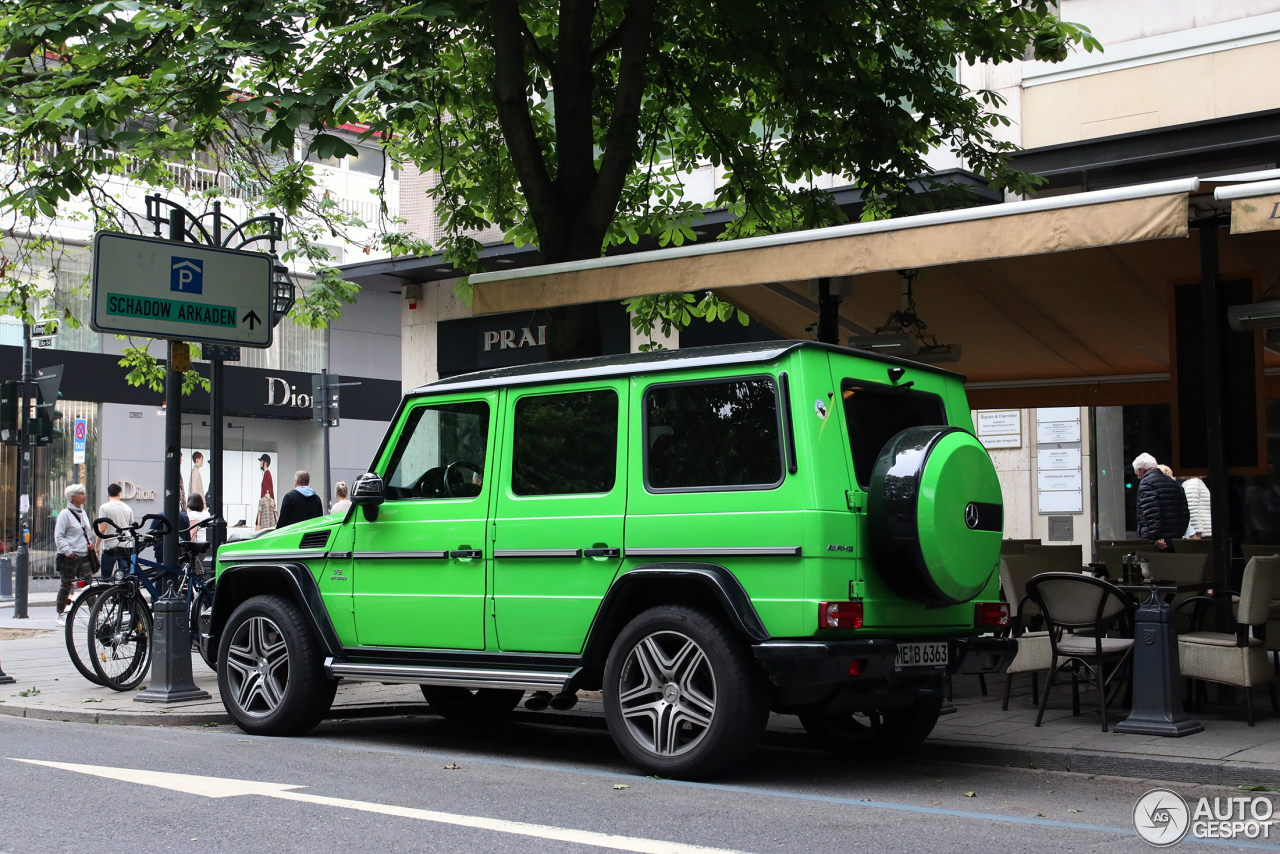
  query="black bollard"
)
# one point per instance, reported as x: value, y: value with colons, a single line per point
x: 1157, y: 700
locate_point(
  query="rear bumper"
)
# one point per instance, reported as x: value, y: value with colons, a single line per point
x: 808, y: 674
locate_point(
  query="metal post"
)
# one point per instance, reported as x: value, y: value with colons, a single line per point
x: 328, y: 482
x: 216, y: 426
x: 171, y: 680
x: 23, y: 568
x: 1157, y: 708
x: 216, y: 533
x: 828, y: 313
x: 1211, y: 317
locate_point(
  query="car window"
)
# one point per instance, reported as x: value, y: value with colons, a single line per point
x: 565, y: 444
x: 440, y: 452
x: 713, y: 435
x: 876, y: 413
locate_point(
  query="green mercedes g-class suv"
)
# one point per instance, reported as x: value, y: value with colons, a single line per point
x: 703, y: 535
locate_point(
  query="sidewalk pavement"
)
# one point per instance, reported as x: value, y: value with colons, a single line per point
x: 1228, y: 752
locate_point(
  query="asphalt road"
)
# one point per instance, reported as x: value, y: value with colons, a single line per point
x: 425, y: 784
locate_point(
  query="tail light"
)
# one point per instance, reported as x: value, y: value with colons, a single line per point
x: 991, y: 615
x: 840, y: 615
x: 855, y: 666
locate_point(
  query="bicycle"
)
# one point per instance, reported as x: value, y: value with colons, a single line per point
x: 120, y: 621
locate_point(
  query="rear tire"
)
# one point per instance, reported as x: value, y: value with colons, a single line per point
x: 878, y: 735
x: 484, y: 705
x: 683, y: 695
x: 271, y: 669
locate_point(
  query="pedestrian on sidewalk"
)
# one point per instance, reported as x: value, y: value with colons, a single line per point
x: 300, y: 503
x: 1162, y: 505
x: 343, y: 504
x: 76, y: 558
x: 114, y: 550
x: 1197, y: 493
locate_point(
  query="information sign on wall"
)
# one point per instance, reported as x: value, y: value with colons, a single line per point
x: 1000, y: 428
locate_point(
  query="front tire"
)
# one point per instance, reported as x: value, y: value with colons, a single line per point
x: 875, y: 735
x: 485, y: 705
x: 271, y: 669
x: 682, y: 694
x: 76, y: 634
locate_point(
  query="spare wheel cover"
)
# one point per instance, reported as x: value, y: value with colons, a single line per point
x: 936, y: 515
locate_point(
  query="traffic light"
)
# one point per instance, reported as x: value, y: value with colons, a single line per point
x: 43, y: 430
x: 9, y: 412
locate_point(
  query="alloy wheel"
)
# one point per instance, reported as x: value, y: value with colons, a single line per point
x: 258, y: 666
x: 667, y: 693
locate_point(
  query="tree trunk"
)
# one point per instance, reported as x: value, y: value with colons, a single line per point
x: 573, y: 332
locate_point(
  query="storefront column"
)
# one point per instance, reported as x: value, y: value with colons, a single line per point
x: 1211, y: 315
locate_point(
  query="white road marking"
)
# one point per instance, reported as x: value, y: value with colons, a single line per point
x: 223, y: 787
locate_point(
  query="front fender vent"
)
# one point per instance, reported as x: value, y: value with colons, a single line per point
x: 315, y: 539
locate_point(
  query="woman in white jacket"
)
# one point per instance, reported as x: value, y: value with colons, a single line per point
x: 1198, y: 503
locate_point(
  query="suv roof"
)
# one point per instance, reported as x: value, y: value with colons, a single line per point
x: 660, y: 360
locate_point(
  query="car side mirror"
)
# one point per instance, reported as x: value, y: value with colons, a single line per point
x: 366, y: 494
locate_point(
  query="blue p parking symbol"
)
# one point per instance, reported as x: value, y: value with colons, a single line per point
x: 187, y: 275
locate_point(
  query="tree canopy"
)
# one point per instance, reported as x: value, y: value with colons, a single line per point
x: 570, y: 125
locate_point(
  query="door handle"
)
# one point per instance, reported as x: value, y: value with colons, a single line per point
x: 602, y: 552
x: 466, y: 553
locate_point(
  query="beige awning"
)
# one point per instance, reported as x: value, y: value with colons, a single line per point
x: 978, y: 234
x: 1059, y: 291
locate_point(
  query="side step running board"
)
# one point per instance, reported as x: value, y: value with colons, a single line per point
x: 461, y: 677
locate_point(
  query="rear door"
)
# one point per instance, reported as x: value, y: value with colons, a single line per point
x: 559, y: 512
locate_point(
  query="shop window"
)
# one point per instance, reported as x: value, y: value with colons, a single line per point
x: 876, y: 413
x: 440, y: 453
x: 714, y: 436
x: 565, y: 444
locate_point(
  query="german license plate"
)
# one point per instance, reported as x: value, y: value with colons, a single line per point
x: 921, y: 655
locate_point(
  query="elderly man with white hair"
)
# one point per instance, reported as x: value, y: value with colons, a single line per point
x: 71, y: 536
x: 1162, y: 505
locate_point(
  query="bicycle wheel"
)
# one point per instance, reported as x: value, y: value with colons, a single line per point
x: 120, y: 638
x: 77, y: 635
x: 201, y: 620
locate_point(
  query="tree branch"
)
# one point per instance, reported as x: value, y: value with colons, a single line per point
x: 510, y: 96
x: 624, y: 121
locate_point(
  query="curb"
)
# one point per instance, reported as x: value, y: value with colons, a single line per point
x: 1213, y: 772
x: 178, y: 717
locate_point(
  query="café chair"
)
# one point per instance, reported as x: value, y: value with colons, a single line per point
x: 1055, y: 558
x: 1072, y: 602
x: 1016, y: 547
x: 1181, y: 570
x: 1034, y: 651
x: 1193, y: 547
x: 1234, y: 658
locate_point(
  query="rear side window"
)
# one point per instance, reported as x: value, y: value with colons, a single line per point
x: 565, y: 444
x: 876, y: 413
x: 713, y: 435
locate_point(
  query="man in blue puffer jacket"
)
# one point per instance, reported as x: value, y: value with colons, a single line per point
x: 1162, y: 505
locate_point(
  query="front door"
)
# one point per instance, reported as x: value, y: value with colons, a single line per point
x: 420, y: 567
x: 559, y: 512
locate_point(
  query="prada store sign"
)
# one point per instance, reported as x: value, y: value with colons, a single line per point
x: 518, y: 338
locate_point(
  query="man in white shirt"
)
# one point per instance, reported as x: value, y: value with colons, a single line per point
x: 114, y: 550
x: 71, y: 536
